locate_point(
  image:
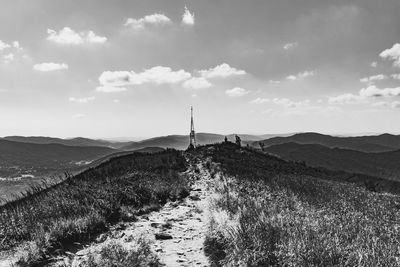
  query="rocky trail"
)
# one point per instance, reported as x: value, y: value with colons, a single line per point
x: 176, y: 232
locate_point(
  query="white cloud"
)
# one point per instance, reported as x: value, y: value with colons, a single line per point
x: 95, y: 39
x: 8, y: 58
x: 274, y: 81
x: 345, y: 99
x: 291, y: 77
x: 187, y: 17
x: 395, y: 104
x: 154, y: 19
x: 221, y: 71
x: 380, y: 104
x: 289, y: 103
x: 373, y: 91
x: 374, y: 78
x: 83, y: 100
x: 3, y: 45
x: 70, y: 37
x: 392, y: 54
x: 47, y: 67
x: 111, y: 81
x: 374, y: 64
x: 197, y: 83
x: 259, y: 100
x: 157, y: 75
x: 116, y: 101
x: 110, y: 89
x: 300, y: 75
x: 236, y: 92
x: 395, y: 76
x: 289, y: 46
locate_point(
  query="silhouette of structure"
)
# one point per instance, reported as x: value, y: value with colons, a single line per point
x: 192, y: 135
x: 238, y: 140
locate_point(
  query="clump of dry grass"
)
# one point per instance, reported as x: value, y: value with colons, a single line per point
x: 115, y: 254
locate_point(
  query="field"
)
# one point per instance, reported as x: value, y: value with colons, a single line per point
x: 265, y: 217
x: 46, y: 220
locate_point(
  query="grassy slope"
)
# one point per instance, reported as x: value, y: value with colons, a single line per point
x: 379, y: 143
x: 82, y: 206
x: 384, y: 164
x: 264, y: 217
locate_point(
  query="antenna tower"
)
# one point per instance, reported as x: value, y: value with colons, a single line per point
x: 192, y: 135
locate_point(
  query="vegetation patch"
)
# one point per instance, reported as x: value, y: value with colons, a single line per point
x: 50, y: 219
x: 264, y: 217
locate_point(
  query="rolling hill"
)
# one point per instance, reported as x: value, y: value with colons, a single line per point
x: 78, y: 141
x: 383, y: 164
x: 181, y: 141
x: 47, y: 155
x: 379, y: 143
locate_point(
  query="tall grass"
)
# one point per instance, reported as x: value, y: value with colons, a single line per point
x: 272, y: 219
x: 83, y: 206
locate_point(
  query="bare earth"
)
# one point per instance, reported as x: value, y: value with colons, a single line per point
x: 180, y: 228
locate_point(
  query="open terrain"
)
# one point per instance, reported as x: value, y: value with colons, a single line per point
x: 220, y: 205
x: 380, y: 164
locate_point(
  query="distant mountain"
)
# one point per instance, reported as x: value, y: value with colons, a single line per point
x: 182, y: 141
x: 78, y: 141
x: 380, y: 143
x: 383, y: 164
x: 20, y: 154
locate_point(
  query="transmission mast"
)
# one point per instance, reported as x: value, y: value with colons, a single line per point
x: 192, y: 135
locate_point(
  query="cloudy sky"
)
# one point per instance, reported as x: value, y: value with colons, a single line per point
x: 100, y: 68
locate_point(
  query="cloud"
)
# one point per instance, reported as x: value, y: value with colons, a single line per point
x: 156, y: 75
x: 83, y: 100
x: 300, y: 75
x: 68, y: 36
x: 395, y: 104
x: 259, y: 100
x: 392, y: 54
x: 187, y: 17
x: 8, y: 58
x: 373, y: 91
x: 221, y: 71
x: 47, y: 67
x: 345, y: 99
x: 374, y: 64
x: 395, y: 76
x: 290, y: 46
x: 110, y: 89
x: 236, y: 92
x: 197, y: 83
x: 274, y: 81
x: 289, y: 103
x: 374, y: 78
x: 149, y: 20
x: 3, y: 45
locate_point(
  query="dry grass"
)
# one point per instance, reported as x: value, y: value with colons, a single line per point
x: 83, y: 206
x: 297, y: 220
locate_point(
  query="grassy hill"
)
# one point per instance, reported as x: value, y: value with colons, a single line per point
x: 269, y: 212
x: 84, y: 205
x: 380, y: 143
x: 384, y: 164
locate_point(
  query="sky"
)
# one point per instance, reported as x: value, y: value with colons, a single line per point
x: 130, y: 68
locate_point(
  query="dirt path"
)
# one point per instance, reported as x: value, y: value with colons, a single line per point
x: 176, y: 231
